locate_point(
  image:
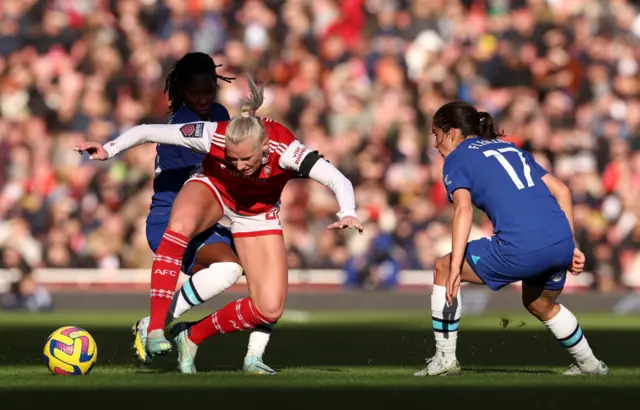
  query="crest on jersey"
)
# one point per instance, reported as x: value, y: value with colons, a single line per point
x: 267, y: 170
x: 192, y: 130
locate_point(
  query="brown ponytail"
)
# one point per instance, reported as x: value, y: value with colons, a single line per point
x: 487, y: 129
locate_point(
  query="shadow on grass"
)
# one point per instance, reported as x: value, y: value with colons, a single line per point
x: 344, y: 346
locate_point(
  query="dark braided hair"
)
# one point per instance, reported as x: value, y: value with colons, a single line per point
x: 185, y: 68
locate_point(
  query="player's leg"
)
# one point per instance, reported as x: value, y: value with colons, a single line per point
x: 204, y: 283
x: 214, y: 267
x: 445, y: 319
x: 156, y: 224
x: 264, y: 261
x: 539, y: 297
x: 260, y: 335
x: 195, y: 209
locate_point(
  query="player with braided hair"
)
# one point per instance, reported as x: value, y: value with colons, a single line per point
x: 190, y: 76
x: 210, y: 258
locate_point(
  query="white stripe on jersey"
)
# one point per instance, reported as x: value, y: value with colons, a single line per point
x: 274, y: 146
x: 281, y: 145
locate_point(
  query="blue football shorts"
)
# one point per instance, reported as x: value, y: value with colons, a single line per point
x: 546, y: 267
x: 157, y: 223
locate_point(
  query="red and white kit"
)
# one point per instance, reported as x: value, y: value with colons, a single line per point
x: 250, y: 202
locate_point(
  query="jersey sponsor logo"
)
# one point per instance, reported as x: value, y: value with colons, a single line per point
x: 192, y: 130
x: 298, y: 153
x: 272, y: 215
x: 247, y: 177
x: 163, y: 272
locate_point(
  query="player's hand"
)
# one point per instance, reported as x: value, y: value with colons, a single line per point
x: 453, y: 285
x: 348, y: 222
x: 577, y: 265
x: 95, y: 150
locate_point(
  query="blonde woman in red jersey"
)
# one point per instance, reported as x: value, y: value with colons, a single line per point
x: 249, y: 162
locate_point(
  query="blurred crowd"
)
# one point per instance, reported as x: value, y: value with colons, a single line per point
x: 356, y: 79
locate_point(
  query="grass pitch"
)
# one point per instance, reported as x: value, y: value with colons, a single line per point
x: 328, y: 360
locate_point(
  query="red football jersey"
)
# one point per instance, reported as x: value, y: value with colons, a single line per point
x: 260, y: 192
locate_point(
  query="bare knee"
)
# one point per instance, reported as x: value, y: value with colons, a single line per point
x: 543, y: 308
x: 441, y: 271
x: 183, y: 226
x: 270, y: 308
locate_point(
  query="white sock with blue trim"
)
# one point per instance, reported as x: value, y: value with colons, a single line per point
x: 204, y: 285
x: 445, y: 320
x: 566, y: 329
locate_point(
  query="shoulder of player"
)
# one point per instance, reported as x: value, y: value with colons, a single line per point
x: 183, y: 115
x: 219, y: 112
x: 277, y: 132
x: 218, y: 136
x: 458, y: 153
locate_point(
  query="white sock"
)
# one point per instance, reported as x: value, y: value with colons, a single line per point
x: 258, y: 340
x: 445, y: 320
x: 204, y: 285
x: 566, y: 329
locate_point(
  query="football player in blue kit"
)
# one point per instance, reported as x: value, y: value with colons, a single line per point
x: 533, y: 240
x: 210, y: 259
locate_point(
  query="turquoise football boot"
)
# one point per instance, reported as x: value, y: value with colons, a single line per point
x: 255, y: 365
x: 157, y: 343
x: 187, y: 350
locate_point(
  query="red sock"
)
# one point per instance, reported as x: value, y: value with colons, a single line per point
x: 234, y: 317
x: 164, y: 276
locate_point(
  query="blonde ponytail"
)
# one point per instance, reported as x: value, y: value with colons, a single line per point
x: 247, y: 125
x: 255, y: 99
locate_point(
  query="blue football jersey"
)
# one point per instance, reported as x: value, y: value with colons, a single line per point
x: 506, y: 183
x: 174, y: 165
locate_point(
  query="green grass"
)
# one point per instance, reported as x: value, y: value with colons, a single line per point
x: 335, y: 360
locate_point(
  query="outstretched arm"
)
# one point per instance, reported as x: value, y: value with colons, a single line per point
x: 309, y: 164
x: 196, y: 136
